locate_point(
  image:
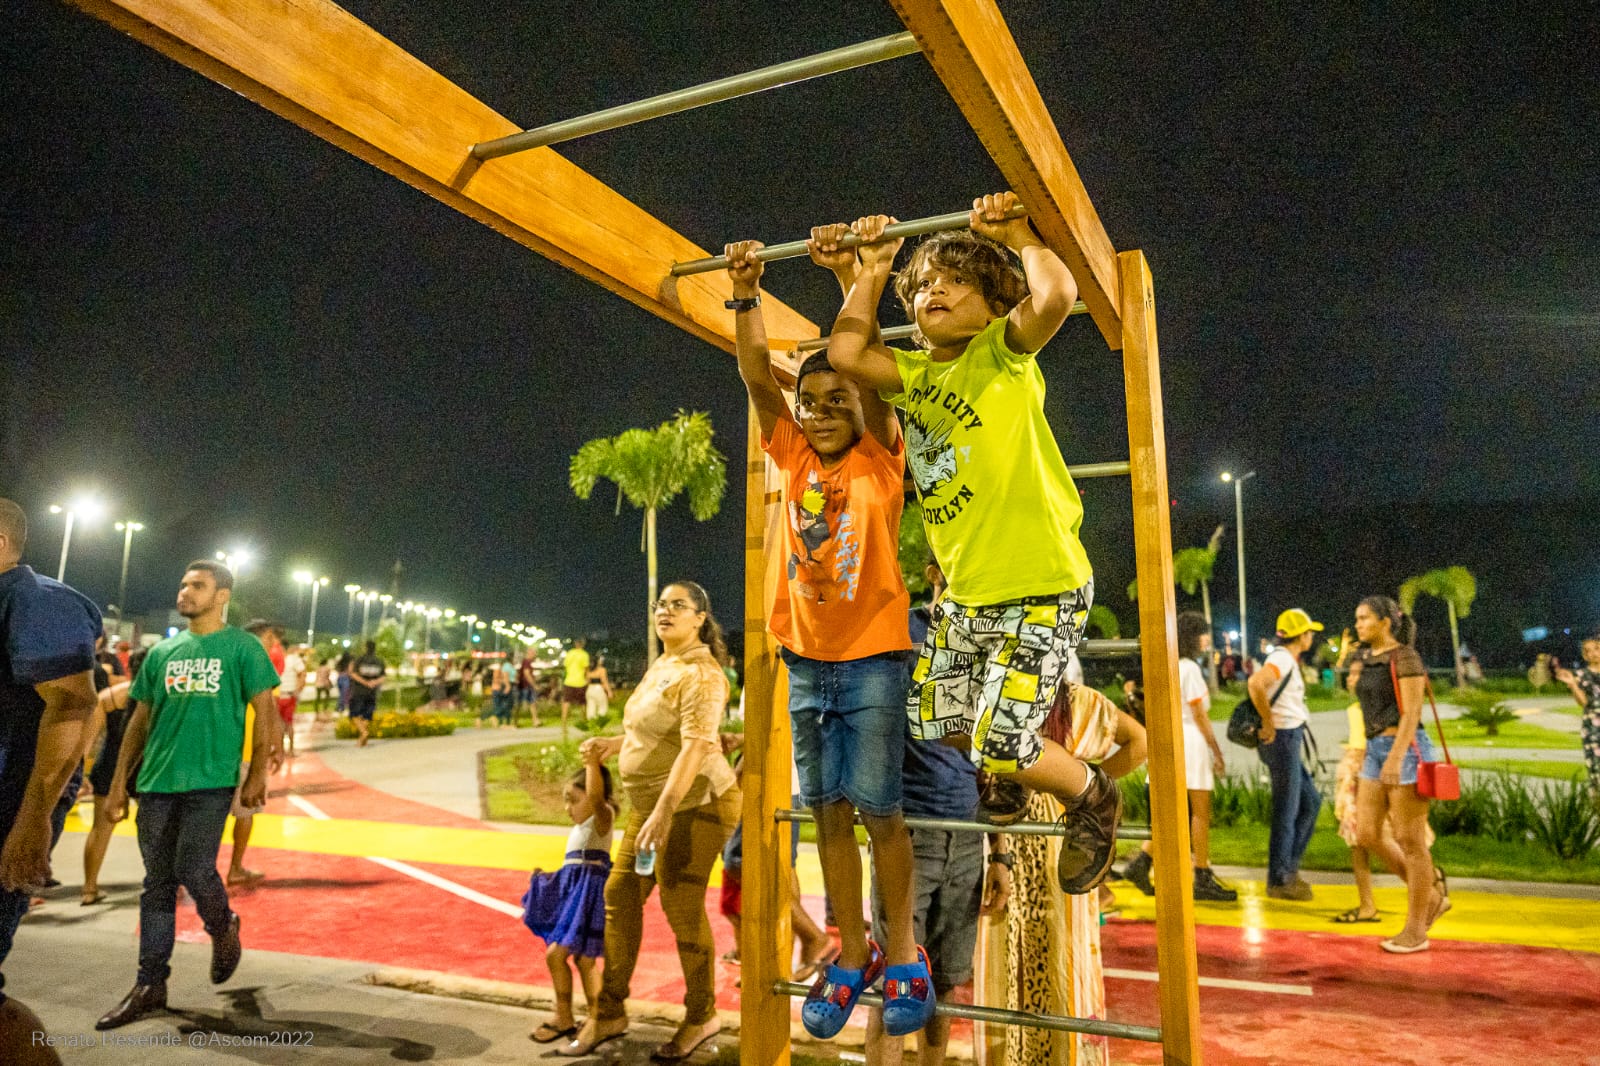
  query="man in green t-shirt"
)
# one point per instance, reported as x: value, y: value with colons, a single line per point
x: 189, y: 728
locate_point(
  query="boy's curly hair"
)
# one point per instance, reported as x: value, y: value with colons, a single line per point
x: 986, y: 263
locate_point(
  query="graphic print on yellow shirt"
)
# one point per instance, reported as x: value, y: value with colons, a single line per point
x: 1000, y: 510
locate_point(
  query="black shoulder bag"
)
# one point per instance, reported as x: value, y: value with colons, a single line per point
x: 1244, y: 724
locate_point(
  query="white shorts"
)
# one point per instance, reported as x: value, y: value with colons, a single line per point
x: 1197, y: 775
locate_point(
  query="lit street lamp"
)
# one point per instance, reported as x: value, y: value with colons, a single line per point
x: 350, y: 607
x: 366, y: 599
x: 304, y: 577
x: 1238, y: 521
x: 85, y: 507
x: 127, y: 529
x: 235, y: 561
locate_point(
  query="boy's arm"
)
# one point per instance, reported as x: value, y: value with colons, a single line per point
x: 1051, y: 288
x: 854, y: 348
x: 750, y: 338
x: 825, y: 252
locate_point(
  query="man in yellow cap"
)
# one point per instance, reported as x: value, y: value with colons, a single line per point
x: 1279, y: 692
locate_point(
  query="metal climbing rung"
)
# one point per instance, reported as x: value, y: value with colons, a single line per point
x: 1123, y: 647
x: 958, y: 825
x: 997, y: 1016
x: 896, y: 333
x: 794, y: 249
x: 712, y: 92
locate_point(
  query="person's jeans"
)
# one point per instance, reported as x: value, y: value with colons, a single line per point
x: 683, y: 870
x: 180, y: 834
x: 1295, y: 804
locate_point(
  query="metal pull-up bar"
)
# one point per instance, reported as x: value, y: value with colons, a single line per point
x: 896, y: 333
x: 1000, y: 1016
x: 793, y: 249
x: 960, y: 825
x: 712, y: 92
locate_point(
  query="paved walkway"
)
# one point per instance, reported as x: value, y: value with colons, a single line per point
x: 365, y: 880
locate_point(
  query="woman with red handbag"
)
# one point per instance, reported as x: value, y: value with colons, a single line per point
x: 1391, y: 687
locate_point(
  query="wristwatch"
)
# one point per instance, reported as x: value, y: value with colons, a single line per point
x: 748, y: 303
x: 1004, y: 858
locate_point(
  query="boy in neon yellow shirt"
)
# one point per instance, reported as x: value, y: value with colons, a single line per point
x: 1001, y: 511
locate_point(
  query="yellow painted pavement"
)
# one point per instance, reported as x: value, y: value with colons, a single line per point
x: 1481, y: 917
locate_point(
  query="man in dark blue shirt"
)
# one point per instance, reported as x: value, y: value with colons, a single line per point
x: 47, y: 635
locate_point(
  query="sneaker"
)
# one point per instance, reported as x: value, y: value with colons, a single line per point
x: 1297, y: 891
x: 1207, y: 887
x: 1090, y: 842
x: 1002, y: 800
x: 1137, y: 873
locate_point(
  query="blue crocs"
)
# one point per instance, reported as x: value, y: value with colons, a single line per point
x: 833, y: 997
x: 908, y: 999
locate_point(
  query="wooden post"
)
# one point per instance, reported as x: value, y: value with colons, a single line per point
x: 1178, y: 988
x: 767, y: 941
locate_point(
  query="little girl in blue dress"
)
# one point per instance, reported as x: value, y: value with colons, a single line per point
x: 567, y: 908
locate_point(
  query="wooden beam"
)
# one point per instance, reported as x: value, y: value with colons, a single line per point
x: 321, y: 68
x: 1178, y: 987
x: 974, y: 54
x: 767, y: 941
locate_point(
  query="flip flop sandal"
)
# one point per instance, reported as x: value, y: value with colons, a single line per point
x: 669, y: 1052
x: 1394, y: 947
x: 549, y: 1034
x: 1354, y: 916
x: 810, y: 970
x: 908, y: 999
x: 829, y: 1003
x: 1442, y: 883
x: 575, y: 1050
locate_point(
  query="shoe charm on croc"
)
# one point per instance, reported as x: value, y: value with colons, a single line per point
x: 908, y: 998
x: 829, y: 1003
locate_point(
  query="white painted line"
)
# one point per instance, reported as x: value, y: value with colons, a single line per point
x: 313, y: 811
x: 1219, y: 982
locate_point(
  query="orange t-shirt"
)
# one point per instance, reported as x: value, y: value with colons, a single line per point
x: 843, y: 597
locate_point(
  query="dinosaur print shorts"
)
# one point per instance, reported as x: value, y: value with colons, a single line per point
x: 991, y: 672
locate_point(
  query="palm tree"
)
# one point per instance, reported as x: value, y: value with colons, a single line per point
x: 1456, y: 586
x: 651, y: 467
x: 1191, y: 569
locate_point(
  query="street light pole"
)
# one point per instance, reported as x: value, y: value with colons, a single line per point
x: 90, y: 509
x: 350, y: 608
x: 128, y: 529
x: 366, y: 612
x: 66, y: 542
x: 1238, y: 521
x: 311, y: 629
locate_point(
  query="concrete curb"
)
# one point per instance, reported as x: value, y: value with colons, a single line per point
x: 537, y: 997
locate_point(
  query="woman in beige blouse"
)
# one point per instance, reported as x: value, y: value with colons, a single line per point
x: 684, y: 803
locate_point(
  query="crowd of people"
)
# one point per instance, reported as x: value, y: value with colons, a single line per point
x: 971, y: 708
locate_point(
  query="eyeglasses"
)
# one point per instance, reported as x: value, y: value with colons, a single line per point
x: 673, y: 606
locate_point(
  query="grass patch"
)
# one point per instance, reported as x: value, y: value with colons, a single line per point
x: 1245, y: 844
x: 1517, y: 734
x: 1560, y: 771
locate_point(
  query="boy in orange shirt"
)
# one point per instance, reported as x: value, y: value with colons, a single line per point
x: 841, y: 618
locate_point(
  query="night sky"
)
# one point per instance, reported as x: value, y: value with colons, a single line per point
x: 1375, y: 242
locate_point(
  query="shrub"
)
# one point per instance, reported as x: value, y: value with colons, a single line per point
x: 1567, y: 821
x: 1236, y: 800
x: 1516, y: 813
x: 1474, y: 814
x: 1486, y: 710
x: 389, y: 725
x: 1135, y: 801
x: 554, y: 763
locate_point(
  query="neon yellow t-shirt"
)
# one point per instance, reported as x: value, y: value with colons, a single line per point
x: 1001, y: 511
x: 577, y: 668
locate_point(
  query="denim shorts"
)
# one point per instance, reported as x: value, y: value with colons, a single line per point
x: 849, y: 726
x: 1378, y: 749
x: 946, y: 893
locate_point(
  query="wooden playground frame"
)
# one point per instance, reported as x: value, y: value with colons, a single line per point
x: 316, y: 65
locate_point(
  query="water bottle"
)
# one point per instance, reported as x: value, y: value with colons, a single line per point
x: 644, y: 862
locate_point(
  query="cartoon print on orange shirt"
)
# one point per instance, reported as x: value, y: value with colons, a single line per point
x: 831, y: 567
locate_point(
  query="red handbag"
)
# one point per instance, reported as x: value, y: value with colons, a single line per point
x: 1435, y: 780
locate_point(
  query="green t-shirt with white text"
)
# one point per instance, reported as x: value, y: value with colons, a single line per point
x: 1000, y: 510
x: 198, y: 689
